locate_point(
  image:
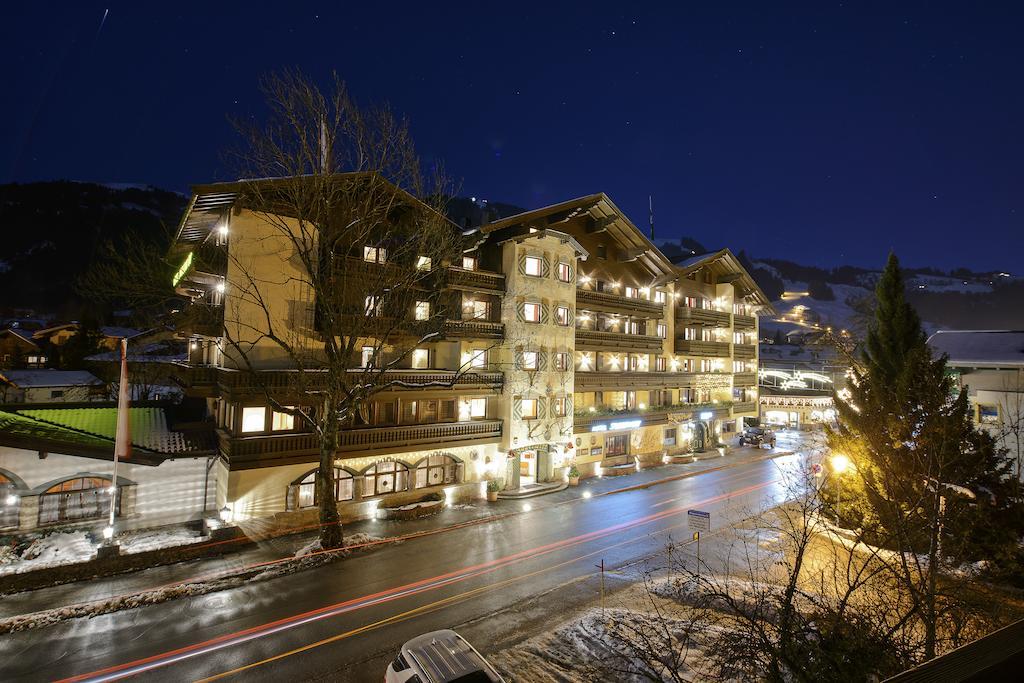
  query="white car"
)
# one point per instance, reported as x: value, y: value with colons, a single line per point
x: 440, y: 657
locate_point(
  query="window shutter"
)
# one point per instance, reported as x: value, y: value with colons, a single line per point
x: 545, y: 268
x: 521, y: 311
x: 517, y: 408
x: 541, y: 408
x: 568, y: 406
x: 545, y: 313
x: 522, y: 263
x: 542, y: 360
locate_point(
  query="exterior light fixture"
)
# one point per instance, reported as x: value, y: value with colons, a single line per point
x: 223, y: 229
x: 108, y: 532
x: 642, y: 406
x: 220, y: 287
x: 840, y: 463
x: 226, y: 514
x: 11, y: 499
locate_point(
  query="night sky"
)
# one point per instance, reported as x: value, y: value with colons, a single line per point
x: 826, y: 133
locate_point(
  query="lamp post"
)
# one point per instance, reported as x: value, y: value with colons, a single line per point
x: 840, y: 463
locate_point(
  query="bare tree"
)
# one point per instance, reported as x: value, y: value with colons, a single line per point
x: 1011, y: 421
x: 340, y: 277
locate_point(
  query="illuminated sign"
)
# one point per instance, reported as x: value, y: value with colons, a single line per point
x: 182, y: 271
x: 620, y: 424
x: 707, y: 415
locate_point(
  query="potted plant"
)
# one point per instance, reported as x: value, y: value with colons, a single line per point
x: 574, y: 475
x: 493, y: 486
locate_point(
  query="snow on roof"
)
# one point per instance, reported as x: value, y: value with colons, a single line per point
x: 149, y: 429
x: 155, y: 352
x: 50, y: 378
x: 119, y: 332
x: 980, y: 347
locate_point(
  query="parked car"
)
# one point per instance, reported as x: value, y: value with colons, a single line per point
x: 440, y: 657
x: 757, y: 436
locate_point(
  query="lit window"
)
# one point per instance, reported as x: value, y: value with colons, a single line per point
x: 662, y: 330
x: 478, y: 408
x: 529, y: 408
x: 371, y: 305
x: 738, y: 366
x: 282, y: 422
x: 420, y: 358
x: 375, y: 254
x: 564, y: 272
x: 529, y: 360
x: 659, y: 296
x: 689, y: 333
x: 480, y: 310
x: 561, y: 361
x: 531, y: 312
x: 478, y: 358
x: 690, y: 302
x: 469, y: 262
x: 660, y: 364
x: 632, y: 293
x: 562, y: 315
x: 367, y: 356
x: 633, y: 327
x: 670, y: 437
x: 422, y: 310
x: 988, y: 414
x: 533, y: 266
x: 586, y: 361
x: 423, y: 263
x: 254, y: 419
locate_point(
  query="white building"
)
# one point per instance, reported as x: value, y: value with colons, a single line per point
x: 49, y: 386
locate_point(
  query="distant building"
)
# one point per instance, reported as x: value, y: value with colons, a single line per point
x: 19, y: 350
x: 990, y: 364
x: 49, y: 386
x: 796, y: 384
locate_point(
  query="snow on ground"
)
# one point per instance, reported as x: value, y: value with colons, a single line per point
x: 155, y: 539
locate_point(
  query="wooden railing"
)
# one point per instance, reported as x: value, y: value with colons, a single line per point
x: 744, y: 379
x: 475, y: 329
x: 602, y: 381
x: 370, y: 440
x: 601, y: 300
x: 744, y: 351
x: 743, y: 322
x: 474, y: 279
x: 744, y: 407
x: 293, y: 380
x: 702, y: 316
x: 695, y: 347
x: 617, y: 340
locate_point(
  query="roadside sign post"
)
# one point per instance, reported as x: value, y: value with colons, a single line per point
x: 699, y: 521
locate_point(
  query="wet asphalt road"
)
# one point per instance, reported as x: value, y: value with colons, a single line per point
x: 495, y: 582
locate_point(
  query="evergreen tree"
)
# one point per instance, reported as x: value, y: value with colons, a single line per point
x: 919, y: 463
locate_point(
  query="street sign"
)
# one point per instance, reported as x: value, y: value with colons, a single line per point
x: 699, y: 520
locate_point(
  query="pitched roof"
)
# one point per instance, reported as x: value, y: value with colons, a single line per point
x: 727, y: 264
x: 90, y: 432
x: 26, y: 379
x: 991, y: 348
x: 23, y: 335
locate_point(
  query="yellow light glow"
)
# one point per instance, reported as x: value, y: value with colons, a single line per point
x: 841, y: 463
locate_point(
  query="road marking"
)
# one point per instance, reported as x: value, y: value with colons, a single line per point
x: 214, y: 644
x: 664, y: 502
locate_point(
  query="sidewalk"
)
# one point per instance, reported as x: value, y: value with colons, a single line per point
x: 286, y: 546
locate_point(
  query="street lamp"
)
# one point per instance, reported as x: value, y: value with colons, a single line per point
x: 840, y: 463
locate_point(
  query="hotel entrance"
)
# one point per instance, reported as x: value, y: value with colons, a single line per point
x: 527, y: 468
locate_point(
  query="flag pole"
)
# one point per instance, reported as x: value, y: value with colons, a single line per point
x: 122, y: 441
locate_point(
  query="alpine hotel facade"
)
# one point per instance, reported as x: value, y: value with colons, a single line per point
x: 570, y: 338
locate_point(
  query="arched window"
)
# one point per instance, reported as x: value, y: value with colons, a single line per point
x: 77, y: 499
x: 436, y: 470
x: 306, y: 490
x: 385, y: 477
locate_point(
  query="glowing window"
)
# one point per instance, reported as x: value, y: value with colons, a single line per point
x: 254, y: 419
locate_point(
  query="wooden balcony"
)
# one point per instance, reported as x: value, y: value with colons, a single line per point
x: 744, y: 407
x: 281, y: 383
x: 584, y: 422
x: 744, y: 351
x: 608, y: 302
x: 473, y: 329
x: 474, y: 280
x: 248, y: 452
x: 695, y: 347
x: 629, y: 381
x: 702, y: 316
x: 744, y: 322
x: 617, y: 341
x: 744, y: 379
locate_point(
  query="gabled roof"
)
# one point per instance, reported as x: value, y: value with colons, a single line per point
x: 601, y: 209
x: 20, y: 334
x: 31, y: 379
x: 727, y: 268
x: 981, y: 348
x: 89, y: 432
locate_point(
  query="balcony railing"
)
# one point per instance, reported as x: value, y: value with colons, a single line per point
x: 460, y: 278
x: 744, y: 407
x: 254, y: 451
x: 630, y: 380
x: 290, y: 380
x: 744, y: 351
x: 702, y: 316
x: 743, y: 322
x: 584, y: 421
x: 696, y: 347
x: 474, y: 329
x: 744, y: 379
x: 614, y: 303
x: 594, y: 339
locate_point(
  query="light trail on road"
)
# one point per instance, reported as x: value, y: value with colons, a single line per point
x: 433, y: 583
